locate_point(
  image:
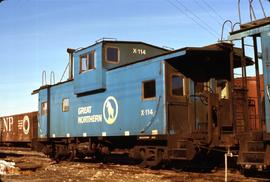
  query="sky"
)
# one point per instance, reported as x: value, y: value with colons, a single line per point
x: 34, y: 34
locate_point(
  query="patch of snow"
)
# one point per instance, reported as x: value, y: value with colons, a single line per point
x: 5, y: 167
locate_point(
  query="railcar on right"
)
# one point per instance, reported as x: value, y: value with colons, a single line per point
x: 254, y: 139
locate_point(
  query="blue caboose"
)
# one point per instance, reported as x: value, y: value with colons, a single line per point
x: 106, y: 97
x: 133, y: 95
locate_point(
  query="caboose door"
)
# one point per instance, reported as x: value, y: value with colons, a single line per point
x: 44, y: 114
x: 176, y: 100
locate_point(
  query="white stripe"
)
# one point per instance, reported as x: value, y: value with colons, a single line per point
x: 154, y: 132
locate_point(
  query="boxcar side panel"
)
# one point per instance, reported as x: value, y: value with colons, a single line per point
x: 18, y: 128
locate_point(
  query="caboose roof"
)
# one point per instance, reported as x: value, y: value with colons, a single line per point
x: 202, y: 63
x: 213, y: 61
x: 197, y: 63
x: 102, y: 41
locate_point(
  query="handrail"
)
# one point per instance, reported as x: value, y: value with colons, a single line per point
x: 52, y: 78
x: 251, y: 10
x: 239, y: 11
x: 237, y: 23
x: 262, y: 8
x: 64, y: 72
x: 222, y: 30
x: 44, y: 80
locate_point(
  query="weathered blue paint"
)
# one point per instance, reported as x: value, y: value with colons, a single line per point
x: 61, y: 122
x: 42, y: 119
x: 265, y: 44
x: 91, y: 89
x: 127, y: 90
x: 93, y: 79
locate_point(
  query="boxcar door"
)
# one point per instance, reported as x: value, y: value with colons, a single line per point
x: 177, y: 105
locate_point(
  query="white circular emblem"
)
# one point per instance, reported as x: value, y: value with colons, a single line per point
x: 110, y: 110
x: 26, y: 125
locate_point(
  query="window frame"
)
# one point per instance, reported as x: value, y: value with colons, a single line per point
x: 63, y: 108
x: 171, y: 82
x: 44, y: 112
x: 88, y: 55
x: 118, y: 55
x: 143, y: 90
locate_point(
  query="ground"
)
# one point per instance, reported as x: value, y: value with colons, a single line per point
x: 32, y: 166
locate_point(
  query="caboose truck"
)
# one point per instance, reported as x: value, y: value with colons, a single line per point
x: 151, y: 105
x: 254, y: 150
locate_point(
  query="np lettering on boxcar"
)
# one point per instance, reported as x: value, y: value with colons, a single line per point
x: 8, y: 124
x: 19, y: 128
x: 22, y: 125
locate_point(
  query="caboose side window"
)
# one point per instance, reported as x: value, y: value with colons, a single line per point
x: 44, y: 108
x: 65, y: 105
x: 83, y: 63
x: 112, y: 55
x: 91, y: 60
x: 177, y: 87
x: 149, y: 89
x: 87, y: 61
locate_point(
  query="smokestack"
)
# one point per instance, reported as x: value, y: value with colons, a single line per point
x: 70, y: 52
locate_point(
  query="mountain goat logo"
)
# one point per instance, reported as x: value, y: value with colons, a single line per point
x: 110, y: 110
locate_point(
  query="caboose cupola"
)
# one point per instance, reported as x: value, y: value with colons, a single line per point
x: 91, y: 63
